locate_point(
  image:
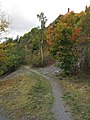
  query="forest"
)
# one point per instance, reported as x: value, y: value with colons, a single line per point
x: 66, y: 40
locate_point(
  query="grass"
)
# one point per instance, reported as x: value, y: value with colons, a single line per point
x: 26, y: 97
x: 77, y: 96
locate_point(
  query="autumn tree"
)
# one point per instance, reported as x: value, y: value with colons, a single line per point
x: 3, y: 23
x: 62, y: 37
x: 3, y: 28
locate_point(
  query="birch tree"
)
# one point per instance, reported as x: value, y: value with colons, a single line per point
x: 43, y: 21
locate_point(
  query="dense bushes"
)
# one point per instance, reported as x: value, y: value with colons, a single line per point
x: 10, y: 57
x: 69, y: 40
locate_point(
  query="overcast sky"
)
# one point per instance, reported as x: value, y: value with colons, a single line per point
x: 23, y: 13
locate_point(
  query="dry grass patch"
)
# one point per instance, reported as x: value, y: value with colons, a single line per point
x: 26, y: 97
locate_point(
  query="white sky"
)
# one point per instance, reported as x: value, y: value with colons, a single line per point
x: 23, y: 13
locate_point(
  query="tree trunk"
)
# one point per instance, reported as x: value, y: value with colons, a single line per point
x: 41, y: 47
x: 42, y: 56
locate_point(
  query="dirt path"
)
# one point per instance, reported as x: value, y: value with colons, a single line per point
x: 1, y: 118
x: 60, y: 111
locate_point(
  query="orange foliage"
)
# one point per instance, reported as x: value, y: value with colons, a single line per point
x: 75, y: 33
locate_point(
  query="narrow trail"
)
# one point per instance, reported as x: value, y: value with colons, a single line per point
x: 60, y: 111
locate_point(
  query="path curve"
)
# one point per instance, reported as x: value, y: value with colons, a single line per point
x: 59, y: 109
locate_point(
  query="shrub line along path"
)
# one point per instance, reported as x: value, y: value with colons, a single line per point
x: 60, y: 110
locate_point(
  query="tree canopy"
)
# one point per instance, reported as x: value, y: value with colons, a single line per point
x: 66, y: 40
